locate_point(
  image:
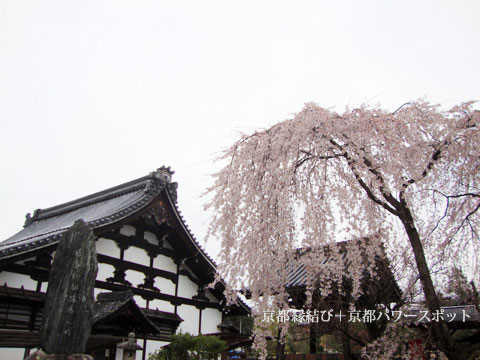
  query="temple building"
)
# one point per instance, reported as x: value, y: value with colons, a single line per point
x: 152, y: 279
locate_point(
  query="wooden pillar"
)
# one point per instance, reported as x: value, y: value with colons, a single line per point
x: 144, y: 347
x: 313, y: 340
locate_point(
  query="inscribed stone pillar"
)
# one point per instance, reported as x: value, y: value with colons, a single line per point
x: 69, y: 305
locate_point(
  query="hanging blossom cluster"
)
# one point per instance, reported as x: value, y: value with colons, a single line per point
x: 322, y: 177
x: 384, y: 348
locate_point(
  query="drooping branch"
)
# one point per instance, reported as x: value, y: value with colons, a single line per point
x: 466, y: 219
x: 308, y: 177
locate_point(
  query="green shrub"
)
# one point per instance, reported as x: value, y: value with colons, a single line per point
x: 189, y: 347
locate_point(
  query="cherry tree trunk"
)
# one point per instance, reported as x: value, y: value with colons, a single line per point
x: 280, y: 348
x: 440, y: 328
x: 346, y: 348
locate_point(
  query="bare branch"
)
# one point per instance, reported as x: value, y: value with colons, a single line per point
x: 401, y: 107
x: 435, y: 157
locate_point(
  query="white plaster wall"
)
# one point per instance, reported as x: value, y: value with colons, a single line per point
x: 150, y: 237
x: 189, y: 314
x: 134, y: 277
x: 127, y: 230
x: 185, y: 267
x: 12, y: 353
x: 161, y: 305
x: 163, y: 262
x: 17, y: 280
x: 186, y: 288
x: 105, y: 271
x: 153, y: 345
x: 136, y: 255
x: 210, y: 296
x: 211, y: 318
x: 108, y: 247
x: 141, y: 302
x: 165, y: 286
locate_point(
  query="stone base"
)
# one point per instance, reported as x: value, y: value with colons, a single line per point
x: 40, y: 355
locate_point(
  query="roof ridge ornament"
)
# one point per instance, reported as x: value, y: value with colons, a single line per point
x: 164, y: 173
x: 29, y: 218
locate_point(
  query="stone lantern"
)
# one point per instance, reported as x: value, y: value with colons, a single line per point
x: 129, y: 347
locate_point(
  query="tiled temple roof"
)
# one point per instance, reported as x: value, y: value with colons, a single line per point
x: 98, y: 210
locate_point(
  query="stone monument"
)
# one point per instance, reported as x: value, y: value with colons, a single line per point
x: 69, y: 304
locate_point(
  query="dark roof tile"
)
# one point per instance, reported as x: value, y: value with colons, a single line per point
x: 99, y: 209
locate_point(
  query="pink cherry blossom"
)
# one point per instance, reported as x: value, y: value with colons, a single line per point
x: 408, y: 180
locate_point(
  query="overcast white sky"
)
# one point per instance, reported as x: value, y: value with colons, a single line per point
x: 97, y: 93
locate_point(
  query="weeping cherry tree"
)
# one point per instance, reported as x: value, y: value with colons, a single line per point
x: 410, y: 177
